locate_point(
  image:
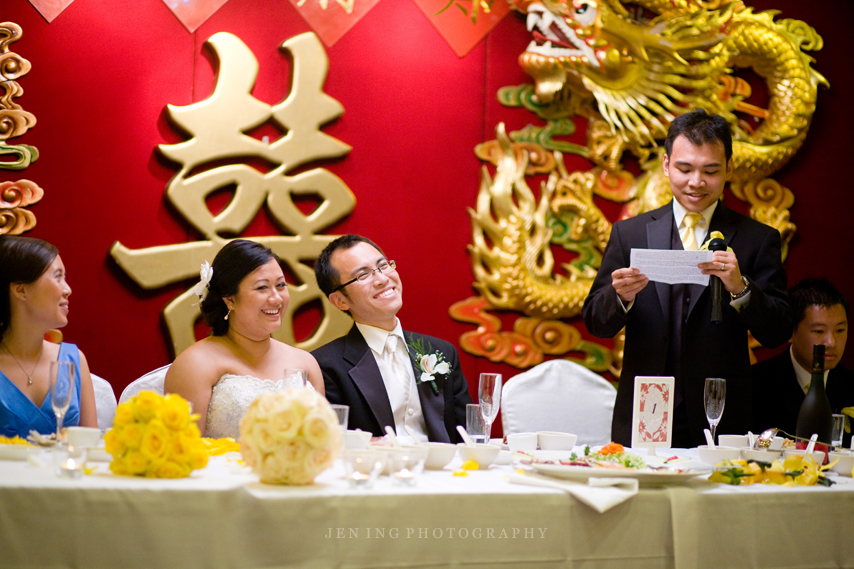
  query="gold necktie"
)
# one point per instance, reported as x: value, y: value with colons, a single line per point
x: 689, y: 241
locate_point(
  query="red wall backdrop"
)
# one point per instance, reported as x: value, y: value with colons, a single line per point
x: 103, y: 73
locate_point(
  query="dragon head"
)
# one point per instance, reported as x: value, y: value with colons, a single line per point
x: 595, y: 39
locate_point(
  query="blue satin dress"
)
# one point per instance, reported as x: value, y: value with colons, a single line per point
x: 19, y: 415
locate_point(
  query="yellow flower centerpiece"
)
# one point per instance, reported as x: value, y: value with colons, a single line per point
x: 290, y: 436
x: 155, y: 436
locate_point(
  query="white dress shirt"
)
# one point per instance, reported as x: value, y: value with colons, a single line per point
x: 402, y: 391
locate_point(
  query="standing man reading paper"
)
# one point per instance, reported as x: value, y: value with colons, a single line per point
x: 377, y: 368
x: 669, y: 330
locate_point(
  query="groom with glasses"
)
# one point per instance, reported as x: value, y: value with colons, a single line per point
x: 388, y: 376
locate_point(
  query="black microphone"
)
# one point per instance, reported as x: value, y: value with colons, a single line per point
x: 717, y: 244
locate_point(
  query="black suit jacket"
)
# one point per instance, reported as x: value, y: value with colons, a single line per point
x: 351, y: 377
x: 708, y: 350
x: 777, y: 395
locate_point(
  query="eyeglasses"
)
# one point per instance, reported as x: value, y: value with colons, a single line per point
x: 384, y: 268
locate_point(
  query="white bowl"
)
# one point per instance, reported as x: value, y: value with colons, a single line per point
x: 845, y: 464
x: 483, y: 454
x: 83, y: 437
x: 525, y: 442
x: 818, y: 456
x: 550, y: 440
x: 760, y: 455
x: 439, y: 455
x: 737, y: 441
x: 715, y: 455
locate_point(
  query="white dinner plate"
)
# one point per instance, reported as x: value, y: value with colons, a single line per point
x: 499, y: 443
x: 17, y: 452
x: 644, y: 477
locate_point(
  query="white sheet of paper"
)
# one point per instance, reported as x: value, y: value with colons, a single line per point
x: 671, y: 267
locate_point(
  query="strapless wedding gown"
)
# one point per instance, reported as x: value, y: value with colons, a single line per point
x: 232, y: 396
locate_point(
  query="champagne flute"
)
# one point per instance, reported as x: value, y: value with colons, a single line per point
x: 714, y: 398
x: 61, y: 392
x: 489, y: 397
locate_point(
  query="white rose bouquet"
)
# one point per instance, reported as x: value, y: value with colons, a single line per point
x: 290, y: 436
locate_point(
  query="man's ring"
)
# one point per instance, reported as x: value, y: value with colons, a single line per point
x: 723, y: 266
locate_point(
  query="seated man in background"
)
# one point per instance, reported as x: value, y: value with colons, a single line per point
x: 820, y: 315
x: 377, y: 368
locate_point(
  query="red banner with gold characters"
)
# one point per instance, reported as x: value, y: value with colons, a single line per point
x: 331, y: 19
x: 463, y: 23
x: 193, y: 13
x: 50, y: 9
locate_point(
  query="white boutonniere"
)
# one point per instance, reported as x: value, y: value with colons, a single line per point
x: 201, y: 289
x: 428, y: 364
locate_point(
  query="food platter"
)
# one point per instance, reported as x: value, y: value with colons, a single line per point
x: 647, y: 477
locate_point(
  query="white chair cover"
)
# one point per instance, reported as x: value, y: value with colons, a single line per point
x: 152, y: 381
x: 562, y: 396
x: 105, y: 402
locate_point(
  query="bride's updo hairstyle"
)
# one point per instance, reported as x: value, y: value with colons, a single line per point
x: 230, y: 266
x: 22, y: 260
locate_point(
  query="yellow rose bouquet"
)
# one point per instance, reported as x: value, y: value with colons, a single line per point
x: 290, y: 436
x: 155, y: 436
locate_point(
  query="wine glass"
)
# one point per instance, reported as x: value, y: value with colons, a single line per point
x: 714, y: 398
x: 61, y: 391
x: 489, y: 396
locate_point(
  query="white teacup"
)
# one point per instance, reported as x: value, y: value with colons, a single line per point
x: 522, y: 442
x: 737, y: 441
x: 83, y: 437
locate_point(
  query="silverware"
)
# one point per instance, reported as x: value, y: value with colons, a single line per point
x: 764, y: 440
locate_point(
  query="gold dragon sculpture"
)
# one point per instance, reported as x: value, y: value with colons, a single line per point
x: 628, y: 70
x: 15, y: 197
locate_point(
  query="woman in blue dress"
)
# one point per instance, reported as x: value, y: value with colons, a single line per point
x: 33, y: 300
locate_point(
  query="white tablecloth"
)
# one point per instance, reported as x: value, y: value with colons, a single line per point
x: 223, y: 517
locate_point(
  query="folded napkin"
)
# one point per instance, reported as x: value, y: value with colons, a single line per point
x: 601, y: 494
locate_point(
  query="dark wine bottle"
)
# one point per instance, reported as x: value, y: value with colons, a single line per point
x: 815, y: 416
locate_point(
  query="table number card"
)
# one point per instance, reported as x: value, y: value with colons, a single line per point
x: 652, y: 412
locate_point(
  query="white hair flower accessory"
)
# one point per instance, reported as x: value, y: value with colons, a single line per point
x: 201, y: 289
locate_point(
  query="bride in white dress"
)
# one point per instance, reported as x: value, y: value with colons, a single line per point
x: 243, y: 302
